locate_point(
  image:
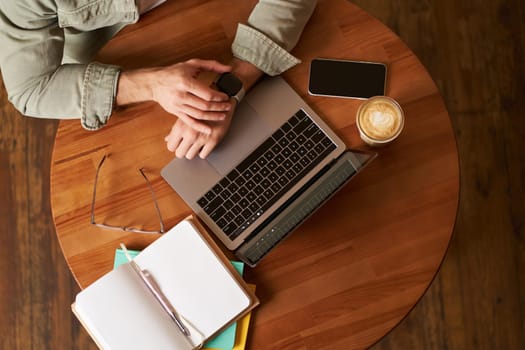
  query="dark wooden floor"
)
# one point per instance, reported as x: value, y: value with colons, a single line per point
x: 474, y: 50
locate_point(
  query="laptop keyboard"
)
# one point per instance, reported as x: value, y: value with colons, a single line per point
x: 265, y: 175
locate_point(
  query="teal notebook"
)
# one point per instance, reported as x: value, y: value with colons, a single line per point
x: 226, y: 339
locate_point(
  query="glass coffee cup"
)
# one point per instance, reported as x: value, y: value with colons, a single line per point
x: 380, y: 120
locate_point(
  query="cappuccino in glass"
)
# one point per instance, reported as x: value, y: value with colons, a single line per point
x: 379, y: 120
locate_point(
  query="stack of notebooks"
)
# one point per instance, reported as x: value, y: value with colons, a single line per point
x: 205, y: 290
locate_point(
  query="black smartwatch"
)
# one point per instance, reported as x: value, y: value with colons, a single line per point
x: 230, y: 85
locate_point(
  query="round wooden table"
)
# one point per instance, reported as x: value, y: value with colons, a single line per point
x: 349, y: 274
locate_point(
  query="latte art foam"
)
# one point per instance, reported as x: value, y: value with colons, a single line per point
x: 380, y: 118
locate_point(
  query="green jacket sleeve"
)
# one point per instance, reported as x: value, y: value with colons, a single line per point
x: 37, y: 83
x: 272, y: 31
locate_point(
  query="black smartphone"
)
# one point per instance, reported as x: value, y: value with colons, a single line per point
x: 342, y: 78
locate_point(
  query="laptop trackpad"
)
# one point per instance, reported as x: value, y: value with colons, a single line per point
x: 246, y: 132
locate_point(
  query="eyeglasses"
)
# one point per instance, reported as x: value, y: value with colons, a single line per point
x: 125, y: 228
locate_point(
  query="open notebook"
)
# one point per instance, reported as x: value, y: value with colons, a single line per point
x: 120, y: 312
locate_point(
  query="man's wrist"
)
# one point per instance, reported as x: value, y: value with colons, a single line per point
x: 135, y: 86
x: 246, y: 72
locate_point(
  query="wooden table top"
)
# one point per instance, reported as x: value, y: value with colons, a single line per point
x: 351, y: 272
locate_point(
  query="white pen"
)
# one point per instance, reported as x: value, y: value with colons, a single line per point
x: 153, y: 287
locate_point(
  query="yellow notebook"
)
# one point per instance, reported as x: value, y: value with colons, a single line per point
x: 120, y: 312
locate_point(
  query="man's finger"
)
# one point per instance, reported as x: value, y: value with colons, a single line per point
x: 194, y: 149
x: 204, y: 105
x: 207, y: 148
x: 210, y: 65
x: 205, y: 92
x: 195, y: 124
x: 202, y: 115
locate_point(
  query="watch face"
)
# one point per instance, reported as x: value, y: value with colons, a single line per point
x: 229, y: 84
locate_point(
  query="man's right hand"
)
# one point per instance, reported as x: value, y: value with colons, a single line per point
x: 177, y: 89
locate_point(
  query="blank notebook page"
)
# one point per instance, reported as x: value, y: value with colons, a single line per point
x: 191, y: 276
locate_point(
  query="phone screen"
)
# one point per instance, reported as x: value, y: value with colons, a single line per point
x: 342, y: 78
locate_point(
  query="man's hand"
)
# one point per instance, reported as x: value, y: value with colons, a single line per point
x: 187, y: 142
x: 177, y: 89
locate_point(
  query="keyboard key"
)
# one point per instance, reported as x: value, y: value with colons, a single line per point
x: 257, y: 178
x: 300, y: 114
x: 326, y: 141
x: 247, y: 174
x: 284, y: 142
x: 291, y: 136
x: 261, y: 200
x: 218, y: 213
x: 247, y: 213
x: 268, y: 193
x: 310, y: 130
x: 250, y: 185
x: 276, y: 187
x: 230, y: 228
x: 214, y: 204
x: 258, y: 190
x: 318, y: 136
x: 309, y: 144
x: 319, y: 148
x: 280, y: 170
x: 236, y: 210
x: 243, y: 191
x: 297, y: 167
x: 232, y: 175
x: 202, y: 202
x: 254, y: 207
x: 269, y: 155
x: 228, y: 204
x: 251, y: 196
x: 240, y: 181
x: 254, y: 168
x: 228, y: 216
x: 244, y: 202
x: 224, y: 182
x: 265, y: 171
x: 233, y: 187
x: 286, y: 127
x: 209, y: 195
x: 226, y: 194
x: 239, y: 220
x: 221, y: 223
x: 293, y: 120
x: 217, y: 188
x: 262, y: 161
x: 276, y: 149
x: 278, y: 134
x: 283, y: 180
x: 236, y: 197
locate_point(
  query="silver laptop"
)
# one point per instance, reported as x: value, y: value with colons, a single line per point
x: 278, y: 163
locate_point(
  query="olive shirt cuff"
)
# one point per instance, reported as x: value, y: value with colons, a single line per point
x: 98, y: 94
x: 258, y: 49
